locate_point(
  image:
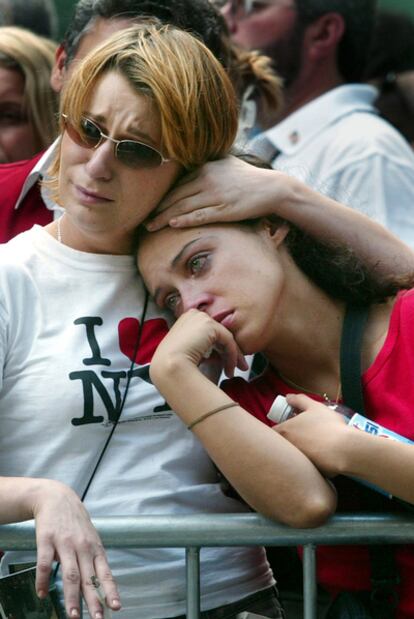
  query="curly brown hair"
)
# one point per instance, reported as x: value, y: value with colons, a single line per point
x: 335, y: 268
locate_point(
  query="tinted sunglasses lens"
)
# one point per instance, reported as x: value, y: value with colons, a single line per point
x: 130, y: 153
x: 86, y: 135
x: 137, y: 155
x: 90, y: 134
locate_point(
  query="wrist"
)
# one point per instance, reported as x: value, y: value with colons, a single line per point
x: 166, y: 370
x: 350, y: 446
x: 45, y: 491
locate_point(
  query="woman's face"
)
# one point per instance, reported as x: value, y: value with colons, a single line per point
x: 105, y: 200
x: 17, y: 137
x: 232, y: 272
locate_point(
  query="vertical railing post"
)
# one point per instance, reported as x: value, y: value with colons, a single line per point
x: 192, y: 564
x: 309, y: 582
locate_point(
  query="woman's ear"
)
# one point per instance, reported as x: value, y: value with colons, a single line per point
x: 277, y: 231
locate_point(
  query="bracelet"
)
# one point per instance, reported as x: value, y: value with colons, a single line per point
x: 213, y: 412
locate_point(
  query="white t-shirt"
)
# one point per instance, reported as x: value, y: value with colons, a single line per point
x: 339, y: 145
x: 68, y: 325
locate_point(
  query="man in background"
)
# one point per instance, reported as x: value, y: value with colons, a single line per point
x: 329, y: 133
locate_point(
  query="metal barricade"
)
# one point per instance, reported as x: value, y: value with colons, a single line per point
x: 195, y: 532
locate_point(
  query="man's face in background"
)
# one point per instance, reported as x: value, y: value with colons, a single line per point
x: 271, y: 27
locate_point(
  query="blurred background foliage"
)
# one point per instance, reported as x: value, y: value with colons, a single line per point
x: 404, y: 6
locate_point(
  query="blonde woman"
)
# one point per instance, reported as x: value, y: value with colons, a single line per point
x: 28, y: 105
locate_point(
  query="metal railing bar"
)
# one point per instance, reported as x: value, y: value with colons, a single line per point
x: 192, y: 562
x: 228, y: 530
x: 310, y: 593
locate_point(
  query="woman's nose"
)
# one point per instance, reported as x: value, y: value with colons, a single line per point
x: 196, y: 300
x: 101, y: 161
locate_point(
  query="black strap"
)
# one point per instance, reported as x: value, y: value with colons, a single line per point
x: 384, y: 573
x: 119, y: 410
x: 350, y: 357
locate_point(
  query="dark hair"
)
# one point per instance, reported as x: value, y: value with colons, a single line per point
x: 340, y: 273
x: 391, y: 68
x: 200, y: 18
x: 38, y: 16
x: 335, y: 268
x: 196, y: 16
x: 359, y: 17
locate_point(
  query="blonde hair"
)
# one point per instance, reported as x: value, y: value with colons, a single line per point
x: 251, y: 70
x: 189, y: 87
x: 33, y: 56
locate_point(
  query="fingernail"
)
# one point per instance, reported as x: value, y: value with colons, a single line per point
x: 149, y: 225
x: 173, y: 222
x: 116, y: 602
x: 98, y: 615
x: 41, y: 594
x: 74, y: 612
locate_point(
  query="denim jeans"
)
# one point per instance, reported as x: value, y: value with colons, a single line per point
x: 264, y: 603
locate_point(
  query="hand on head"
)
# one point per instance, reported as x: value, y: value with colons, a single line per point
x: 221, y: 191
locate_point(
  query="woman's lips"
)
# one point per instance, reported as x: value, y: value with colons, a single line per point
x: 225, y: 318
x: 90, y: 197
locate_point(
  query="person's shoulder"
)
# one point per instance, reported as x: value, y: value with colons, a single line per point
x: 404, y: 303
x: 18, y: 169
x: 18, y: 264
x: 19, y: 291
x: 369, y: 133
x: 20, y: 248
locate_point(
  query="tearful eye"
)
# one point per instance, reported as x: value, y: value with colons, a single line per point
x: 197, y: 263
x: 171, y: 302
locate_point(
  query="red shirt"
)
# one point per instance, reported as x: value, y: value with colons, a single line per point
x: 32, y: 210
x: 388, y: 386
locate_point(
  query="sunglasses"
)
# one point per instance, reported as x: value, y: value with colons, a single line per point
x: 131, y: 153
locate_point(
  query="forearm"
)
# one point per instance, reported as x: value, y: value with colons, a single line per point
x: 233, y: 190
x: 19, y: 496
x: 383, y: 462
x: 271, y: 475
x: 328, y: 220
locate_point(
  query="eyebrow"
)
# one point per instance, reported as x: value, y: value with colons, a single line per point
x: 97, y: 118
x: 177, y: 259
